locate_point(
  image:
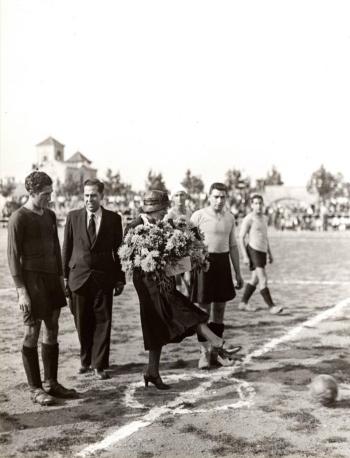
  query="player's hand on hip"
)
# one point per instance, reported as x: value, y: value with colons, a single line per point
x: 246, y: 260
x: 270, y: 258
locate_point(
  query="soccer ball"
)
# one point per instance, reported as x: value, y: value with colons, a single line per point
x: 324, y: 389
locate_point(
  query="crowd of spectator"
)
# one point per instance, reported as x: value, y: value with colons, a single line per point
x: 330, y: 215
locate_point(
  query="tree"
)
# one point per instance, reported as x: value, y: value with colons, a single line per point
x: 239, y: 188
x: 70, y: 187
x: 324, y: 183
x: 259, y: 185
x: 7, y: 186
x: 155, y: 181
x: 234, y: 180
x: 343, y: 190
x: 273, y: 178
x: 193, y: 184
x: 114, y: 186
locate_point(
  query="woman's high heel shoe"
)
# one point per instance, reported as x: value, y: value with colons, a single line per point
x: 156, y: 380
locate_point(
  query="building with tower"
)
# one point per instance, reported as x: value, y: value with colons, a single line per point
x: 50, y: 159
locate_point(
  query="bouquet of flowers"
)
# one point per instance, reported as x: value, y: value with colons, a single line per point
x: 186, y: 248
x: 163, y: 249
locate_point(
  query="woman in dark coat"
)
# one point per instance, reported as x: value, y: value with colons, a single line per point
x: 167, y: 316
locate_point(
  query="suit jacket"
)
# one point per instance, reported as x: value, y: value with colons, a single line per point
x: 99, y: 260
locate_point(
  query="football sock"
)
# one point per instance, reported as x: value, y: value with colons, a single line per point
x: 248, y: 291
x: 31, y: 366
x: 265, y: 292
x: 49, y: 355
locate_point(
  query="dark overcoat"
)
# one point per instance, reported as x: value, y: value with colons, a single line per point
x: 166, y: 315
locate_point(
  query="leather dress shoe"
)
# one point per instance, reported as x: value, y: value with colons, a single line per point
x: 39, y: 396
x: 84, y: 370
x: 101, y: 374
x: 59, y: 391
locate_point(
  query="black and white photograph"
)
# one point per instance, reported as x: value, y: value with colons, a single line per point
x: 174, y: 228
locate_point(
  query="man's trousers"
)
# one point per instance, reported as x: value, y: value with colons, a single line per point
x: 92, y: 311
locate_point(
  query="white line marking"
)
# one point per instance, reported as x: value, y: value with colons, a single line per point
x: 309, y: 282
x: 190, y: 396
x: 246, y: 393
x: 244, y: 389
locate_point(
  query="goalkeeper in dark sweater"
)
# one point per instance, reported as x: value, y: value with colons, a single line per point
x: 35, y: 264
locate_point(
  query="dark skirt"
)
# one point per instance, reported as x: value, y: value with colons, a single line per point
x: 167, y: 316
x: 256, y: 258
x: 216, y: 285
x: 46, y: 295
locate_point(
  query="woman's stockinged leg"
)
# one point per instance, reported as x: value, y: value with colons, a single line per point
x: 204, y: 331
x: 152, y: 373
x: 153, y: 361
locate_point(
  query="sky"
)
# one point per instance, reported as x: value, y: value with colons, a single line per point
x: 171, y: 85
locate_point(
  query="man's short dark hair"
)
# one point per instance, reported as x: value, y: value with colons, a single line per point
x: 257, y: 196
x: 95, y: 182
x: 218, y: 186
x: 36, y: 181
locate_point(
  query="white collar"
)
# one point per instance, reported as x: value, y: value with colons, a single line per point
x: 145, y: 220
x: 97, y: 213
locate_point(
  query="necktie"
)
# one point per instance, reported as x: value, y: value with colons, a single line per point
x: 92, y: 228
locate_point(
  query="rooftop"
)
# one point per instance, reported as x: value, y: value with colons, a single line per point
x: 50, y: 141
x: 78, y: 157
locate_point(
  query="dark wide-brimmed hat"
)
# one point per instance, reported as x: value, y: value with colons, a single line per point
x: 154, y: 201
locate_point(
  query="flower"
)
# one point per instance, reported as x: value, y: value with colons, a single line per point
x: 153, y: 248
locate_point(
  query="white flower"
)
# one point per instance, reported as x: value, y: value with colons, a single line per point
x: 155, y: 253
x: 148, y: 264
x: 137, y: 261
x: 152, y: 247
x: 125, y: 251
x: 144, y: 252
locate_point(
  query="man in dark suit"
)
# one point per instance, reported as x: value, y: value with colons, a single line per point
x: 92, y: 271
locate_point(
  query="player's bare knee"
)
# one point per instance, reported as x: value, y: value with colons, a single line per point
x: 262, y: 280
x: 261, y: 274
x: 50, y: 331
x: 50, y: 339
x: 31, y: 336
x: 50, y: 334
x: 30, y: 341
